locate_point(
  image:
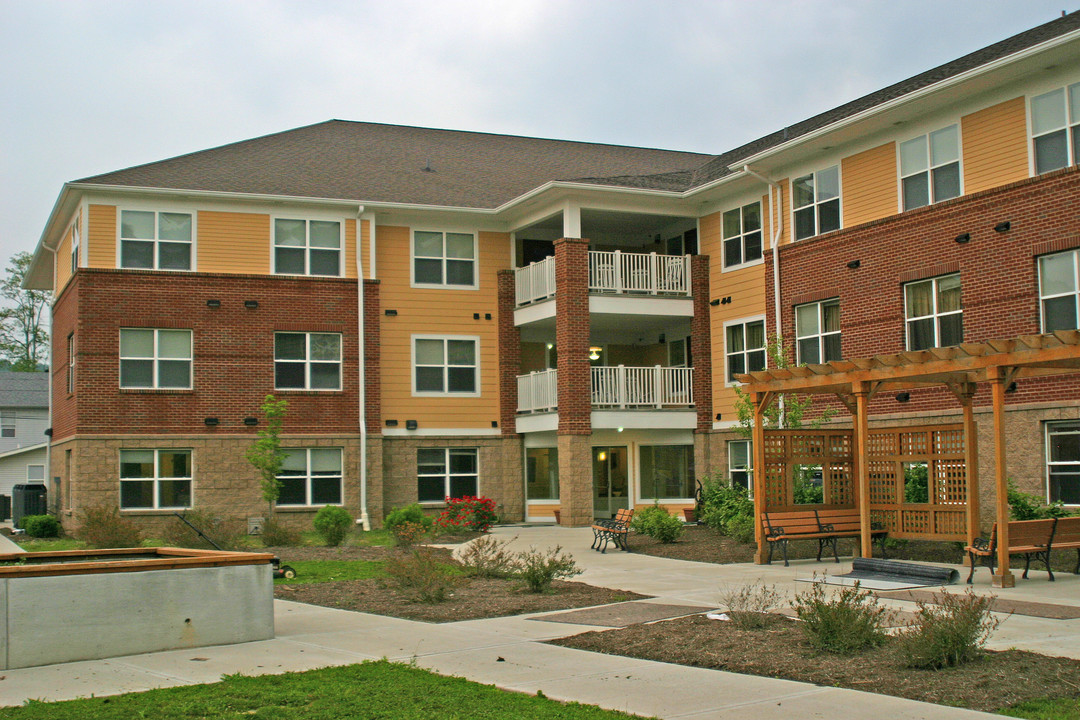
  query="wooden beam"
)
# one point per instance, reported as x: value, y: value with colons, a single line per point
x: 760, y: 401
x: 862, y: 474
x: 848, y: 401
x: 1003, y: 578
x: 965, y: 393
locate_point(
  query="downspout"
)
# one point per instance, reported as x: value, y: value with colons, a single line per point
x: 777, y: 230
x: 364, y: 520
x: 48, y: 440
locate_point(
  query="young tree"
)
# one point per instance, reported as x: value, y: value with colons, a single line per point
x: 266, y: 454
x: 788, y: 410
x: 24, y: 342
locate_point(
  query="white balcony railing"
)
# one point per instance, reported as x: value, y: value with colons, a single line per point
x: 535, y: 282
x: 639, y: 273
x: 655, y: 386
x: 538, y: 391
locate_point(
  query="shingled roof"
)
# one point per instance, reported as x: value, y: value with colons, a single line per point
x: 24, y: 389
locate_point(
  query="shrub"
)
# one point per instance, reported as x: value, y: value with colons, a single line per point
x: 333, y: 523
x: 657, y: 523
x: 410, y: 513
x: 407, y: 534
x: 539, y: 569
x: 467, y: 514
x: 850, y: 621
x: 741, y: 529
x: 105, y: 527
x: 276, y: 533
x: 420, y: 575
x: 1024, y: 506
x: 228, y: 534
x: 950, y: 633
x: 41, y: 526
x: 723, y: 504
x: 488, y: 557
x: 751, y: 606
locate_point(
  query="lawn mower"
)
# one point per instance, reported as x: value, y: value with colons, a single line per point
x: 280, y: 571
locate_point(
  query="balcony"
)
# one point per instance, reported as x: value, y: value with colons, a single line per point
x: 618, y: 387
x: 615, y: 272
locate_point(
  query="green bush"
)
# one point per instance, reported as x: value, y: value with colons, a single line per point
x: 655, y: 522
x: 488, y: 557
x: 848, y: 622
x: 741, y: 529
x: 333, y: 523
x: 277, y: 534
x: 421, y: 576
x: 539, y: 569
x: 723, y: 504
x: 105, y: 527
x: 41, y: 526
x: 410, y: 513
x: 1024, y: 506
x: 949, y: 633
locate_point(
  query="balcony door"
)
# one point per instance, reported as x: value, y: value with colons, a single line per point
x: 611, y: 480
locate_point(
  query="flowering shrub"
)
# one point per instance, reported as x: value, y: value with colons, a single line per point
x: 466, y: 514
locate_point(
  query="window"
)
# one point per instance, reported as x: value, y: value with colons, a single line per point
x: 307, y: 247
x: 35, y: 473
x: 7, y: 423
x: 444, y: 258
x: 310, y: 476
x: 307, y: 361
x: 446, y: 472
x: 154, y: 479
x: 155, y: 240
x: 745, y: 348
x: 155, y: 358
x: 542, y: 473
x: 71, y: 363
x: 740, y: 464
x: 1055, y: 128
x: 1063, y: 462
x: 817, y: 202
x: 74, y: 247
x: 817, y: 332
x: 667, y: 472
x: 679, y: 353
x: 445, y: 365
x: 934, y: 315
x: 742, y: 235
x: 1059, y: 291
x: 930, y: 167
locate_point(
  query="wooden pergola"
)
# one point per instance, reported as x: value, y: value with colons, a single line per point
x: 959, y: 369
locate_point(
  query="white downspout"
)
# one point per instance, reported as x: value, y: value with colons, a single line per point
x: 364, y: 520
x: 49, y: 439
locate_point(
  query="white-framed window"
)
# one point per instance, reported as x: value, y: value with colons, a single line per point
x: 446, y: 365
x: 1055, y: 128
x: 541, y: 473
x: 817, y: 332
x: 155, y: 240
x: 310, y: 476
x: 740, y: 462
x: 1059, y: 291
x: 742, y: 235
x: 35, y: 473
x: 930, y: 167
x: 667, y: 472
x: 155, y: 479
x: 153, y: 358
x: 74, y: 246
x: 816, y: 202
x: 446, y: 473
x: 744, y: 347
x: 935, y: 317
x: 1063, y: 462
x: 679, y: 353
x: 307, y: 247
x: 307, y: 361
x: 71, y: 363
x: 7, y: 423
x: 443, y: 259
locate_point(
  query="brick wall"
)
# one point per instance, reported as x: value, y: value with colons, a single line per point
x: 572, y: 336
x: 701, y: 342
x: 509, y: 353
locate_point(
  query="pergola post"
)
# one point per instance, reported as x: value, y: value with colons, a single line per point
x: 1002, y: 577
x: 761, y: 401
x: 966, y: 395
x: 862, y: 469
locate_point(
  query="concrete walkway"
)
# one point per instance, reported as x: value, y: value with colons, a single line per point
x: 509, y: 653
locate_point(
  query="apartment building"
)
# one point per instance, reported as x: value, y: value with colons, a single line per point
x: 553, y: 324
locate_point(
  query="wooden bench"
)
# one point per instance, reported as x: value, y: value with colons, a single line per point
x: 1067, y: 537
x: 614, y: 530
x: 825, y: 526
x: 1026, y: 537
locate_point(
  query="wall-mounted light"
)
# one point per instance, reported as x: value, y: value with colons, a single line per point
x: 391, y: 423
x: 715, y: 302
x: 726, y: 300
x: 410, y: 424
x: 476, y: 316
x: 251, y: 421
x: 390, y: 313
x: 854, y: 264
x: 718, y: 417
x: 487, y: 316
x: 213, y: 303
x: 494, y: 423
x: 902, y: 397
x: 963, y: 238
x: 594, y: 353
x: 1003, y: 226
x: 251, y: 304
x: 1011, y: 388
x: 210, y: 422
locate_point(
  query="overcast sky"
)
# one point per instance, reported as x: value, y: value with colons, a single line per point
x: 88, y: 87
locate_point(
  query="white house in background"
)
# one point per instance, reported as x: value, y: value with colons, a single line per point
x: 24, y: 417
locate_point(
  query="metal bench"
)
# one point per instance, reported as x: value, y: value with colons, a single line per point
x: 613, y: 530
x: 825, y: 526
x: 1067, y: 537
x: 1030, y: 538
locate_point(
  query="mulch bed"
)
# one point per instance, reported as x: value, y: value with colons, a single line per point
x: 475, y: 598
x: 994, y: 681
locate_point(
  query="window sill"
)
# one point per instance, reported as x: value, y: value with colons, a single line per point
x: 135, y: 512
x: 305, y: 391
x: 157, y: 391
x: 433, y: 504
x: 303, y: 508
x: 743, y: 266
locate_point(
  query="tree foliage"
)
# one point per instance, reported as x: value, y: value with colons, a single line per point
x: 266, y: 454
x: 24, y: 341
x: 788, y: 411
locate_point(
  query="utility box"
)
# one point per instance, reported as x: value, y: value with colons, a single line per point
x: 28, y: 499
x: 5, y: 507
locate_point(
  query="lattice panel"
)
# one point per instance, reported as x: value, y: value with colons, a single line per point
x: 950, y: 482
x: 890, y: 519
x: 775, y: 485
x: 840, y: 446
x: 914, y: 443
x: 881, y: 443
x: 882, y: 481
x: 775, y: 446
x: 949, y: 442
x: 950, y: 522
x: 915, y: 521
x: 841, y: 486
x: 807, y: 446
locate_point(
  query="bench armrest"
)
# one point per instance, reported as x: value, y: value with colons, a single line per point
x: 773, y: 532
x: 980, y: 543
x: 826, y: 527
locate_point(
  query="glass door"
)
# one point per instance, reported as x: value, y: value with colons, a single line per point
x: 611, y: 481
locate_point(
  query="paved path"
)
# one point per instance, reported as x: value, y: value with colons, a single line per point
x: 509, y: 652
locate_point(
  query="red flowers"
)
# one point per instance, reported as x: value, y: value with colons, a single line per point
x: 467, y: 513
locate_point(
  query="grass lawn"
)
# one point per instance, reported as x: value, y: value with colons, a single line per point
x: 1056, y: 709
x: 373, y: 690
x: 319, y: 571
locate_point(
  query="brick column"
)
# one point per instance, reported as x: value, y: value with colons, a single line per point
x: 701, y: 352
x: 575, y: 396
x: 509, y: 353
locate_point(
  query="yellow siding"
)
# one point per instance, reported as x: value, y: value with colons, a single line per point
x: 230, y: 242
x: 365, y: 248
x: 63, y: 262
x: 349, y: 270
x: 785, y: 212
x: 542, y: 511
x: 995, y: 146
x: 869, y: 185
x: 100, y: 236
x: 438, y: 312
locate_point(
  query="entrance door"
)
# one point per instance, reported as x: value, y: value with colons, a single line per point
x: 611, y: 480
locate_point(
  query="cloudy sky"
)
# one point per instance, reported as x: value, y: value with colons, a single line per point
x: 89, y: 86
